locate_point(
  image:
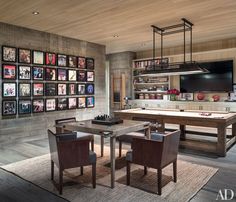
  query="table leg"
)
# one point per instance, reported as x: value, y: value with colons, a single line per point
x: 182, y: 134
x: 234, y: 129
x: 221, y: 141
x: 112, y: 157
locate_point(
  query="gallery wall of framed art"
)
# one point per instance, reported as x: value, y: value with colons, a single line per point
x: 37, y: 81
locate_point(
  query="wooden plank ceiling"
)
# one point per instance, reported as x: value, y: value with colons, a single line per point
x: 99, y: 20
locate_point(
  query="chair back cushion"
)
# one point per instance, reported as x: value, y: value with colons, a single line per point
x: 61, y: 121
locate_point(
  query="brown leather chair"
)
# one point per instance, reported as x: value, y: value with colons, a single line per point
x: 60, y: 129
x: 68, y: 151
x: 155, y: 154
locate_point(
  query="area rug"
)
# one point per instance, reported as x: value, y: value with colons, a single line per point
x: 191, y: 178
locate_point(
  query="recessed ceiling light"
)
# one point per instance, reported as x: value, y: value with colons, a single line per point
x: 35, y: 13
x: 115, y: 35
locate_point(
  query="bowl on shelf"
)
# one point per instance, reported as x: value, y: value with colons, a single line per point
x: 200, y: 96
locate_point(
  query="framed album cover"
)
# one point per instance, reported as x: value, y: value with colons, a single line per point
x: 81, y: 102
x: 72, y: 103
x: 38, y: 89
x: 72, y: 75
x: 9, y: 107
x: 24, y: 89
x: 90, y: 76
x: 50, y: 105
x: 8, y: 89
x: 72, y: 88
x: 38, y: 105
x: 89, y: 88
x: 61, y: 89
x: 24, y: 107
x: 38, y: 73
x: 38, y: 57
x: 61, y: 74
x: 72, y: 61
x: 50, y: 89
x: 61, y: 60
x: 81, y: 89
x: 89, y: 63
x: 9, y: 72
x: 61, y: 104
x: 50, y: 59
x: 50, y: 74
x: 81, y: 76
x: 24, y: 56
x: 81, y: 62
x: 9, y: 54
x: 90, y: 102
x: 24, y: 72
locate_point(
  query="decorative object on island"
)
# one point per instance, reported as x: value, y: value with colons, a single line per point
x: 106, y: 120
x: 173, y: 93
x: 216, y: 98
x: 200, y: 96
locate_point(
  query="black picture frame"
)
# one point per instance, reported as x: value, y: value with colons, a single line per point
x: 81, y: 104
x: 50, y: 59
x: 50, y: 74
x: 25, y: 106
x: 62, y: 104
x: 89, y: 89
x: 24, y: 89
x: 50, y: 89
x: 72, y: 75
x: 72, y: 88
x: 9, y: 89
x: 61, y: 89
x: 81, y: 76
x: 81, y: 89
x: 38, y: 105
x: 38, y: 73
x: 81, y: 61
x: 24, y: 56
x: 90, y: 63
x: 9, y: 107
x: 24, y: 72
x: 90, y: 76
x: 61, y: 60
x: 38, y: 57
x: 72, y: 61
x: 9, y: 54
x: 9, y: 72
x: 61, y: 74
x: 50, y: 104
x: 72, y: 103
x: 90, y: 102
x: 38, y: 89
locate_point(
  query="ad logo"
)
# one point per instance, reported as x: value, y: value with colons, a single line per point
x: 225, y: 195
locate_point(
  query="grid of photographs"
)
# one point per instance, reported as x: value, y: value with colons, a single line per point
x: 35, y: 81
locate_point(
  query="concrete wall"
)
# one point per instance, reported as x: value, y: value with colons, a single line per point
x: 37, y: 124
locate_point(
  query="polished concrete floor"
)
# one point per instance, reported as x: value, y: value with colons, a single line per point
x: 225, y: 178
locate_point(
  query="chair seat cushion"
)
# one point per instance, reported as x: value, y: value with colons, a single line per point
x: 129, y: 156
x: 81, y: 135
x: 157, y: 136
x: 92, y: 157
x: 129, y: 136
x: 74, y: 136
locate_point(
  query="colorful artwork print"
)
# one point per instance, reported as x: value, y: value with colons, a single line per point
x: 81, y: 62
x: 89, y: 63
x: 90, y: 101
x: 8, y: 107
x: 8, y: 54
x: 72, y: 61
x: 24, y: 72
x: 90, y: 76
x: 50, y: 59
x: 50, y: 89
x: 38, y: 73
x: 38, y: 57
x: 24, y: 106
x: 61, y: 74
x: 72, y: 75
x: 24, y: 56
x: 38, y: 106
x: 61, y: 60
x: 24, y: 89
x: 38, y: 89
x: 89, y: 89
x: 81, y: 102
x: 50, y: 74
x: 82, y: 76
x: 81, y: 89
x: 50, y: 105
x: 9, y: 89
x: 71, y: 89
x: 9, y: 72
x: 61, y: 103
x: 61, y: 89
x: 72, y: 104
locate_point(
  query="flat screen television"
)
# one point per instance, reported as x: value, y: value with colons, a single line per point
x: 218, y: 79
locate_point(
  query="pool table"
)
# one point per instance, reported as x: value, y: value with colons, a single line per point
x: 218, y: 120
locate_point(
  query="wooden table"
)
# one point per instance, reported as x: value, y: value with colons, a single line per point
x: 109, y: 131
x: 218, y: 120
